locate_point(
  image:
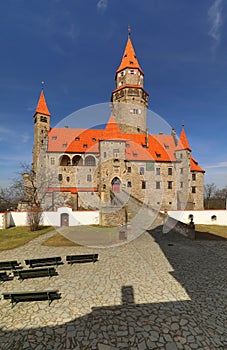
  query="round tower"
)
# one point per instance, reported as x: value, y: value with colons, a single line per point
x: 129, y: 99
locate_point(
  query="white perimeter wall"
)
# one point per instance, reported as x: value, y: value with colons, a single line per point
x: 51, y: 218
x: 201, y: 216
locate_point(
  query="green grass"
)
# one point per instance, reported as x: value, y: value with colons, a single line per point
x: 59, y: 241
x: 217, y: 230
x: 15, y: 237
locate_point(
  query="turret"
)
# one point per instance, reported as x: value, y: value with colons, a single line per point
x: 129, y: 99
x: 41, y: 128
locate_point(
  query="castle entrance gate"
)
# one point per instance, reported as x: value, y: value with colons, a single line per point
x: 116, y: 185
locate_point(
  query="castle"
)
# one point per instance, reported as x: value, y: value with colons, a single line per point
x: 86, y: 168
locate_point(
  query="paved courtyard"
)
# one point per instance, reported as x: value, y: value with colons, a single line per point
x: 160, y: 291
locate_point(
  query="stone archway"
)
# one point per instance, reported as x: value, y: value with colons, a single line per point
x: 116, y: 185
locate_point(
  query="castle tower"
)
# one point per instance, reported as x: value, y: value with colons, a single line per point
x: 41, y: 128
x: 129, y: 99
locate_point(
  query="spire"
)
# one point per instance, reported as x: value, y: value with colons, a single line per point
x: 42, y: 106
x: 183, y: 142
x: 129, y: 59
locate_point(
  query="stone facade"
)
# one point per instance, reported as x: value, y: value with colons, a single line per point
x: 84, y: 170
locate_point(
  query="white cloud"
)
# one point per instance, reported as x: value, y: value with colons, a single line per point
x: 218, y: 165
x: 215, y: 21
x: 102, y: 5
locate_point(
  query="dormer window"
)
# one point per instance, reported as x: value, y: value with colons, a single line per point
x: 158, y: 155
x: 84, y: 145
x: 77, y: 139
x: 131, y: 62
x: 54, y: 138
x: 64, y: 145
x: 94, y: 139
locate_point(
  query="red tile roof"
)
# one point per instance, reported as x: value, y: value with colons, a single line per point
x: 160, y: 148
x: 42, y: 106
x: 194, y: 166
x: 73, y: 190
x: 183, y: 142
x: 129, y: 59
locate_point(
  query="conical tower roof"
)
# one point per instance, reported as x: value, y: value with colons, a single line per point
x: 183, y: 143
x: 129, y: 59
x: 42, y: 105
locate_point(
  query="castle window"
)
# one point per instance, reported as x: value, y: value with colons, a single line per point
x: 181, y: 184
x: 90, y: 161
x: 104, y: 154
x: 170, y: 171
x: 116, y: 153
x: 89, y: 177
x: 170, y: 185
x: 193, y: 177
x: 181, y: 170
x: 43, y: 119
x: 122, y: 73
x: 104, y: 186
x: 181, y: 156
x: 141, y: 170
x: 129, y: 184
x: 193, y: 189
x: 77, y: 139
x: 129, y: 169
x: 68, y: 179
x: 54, y: 138
x: 157, y: 171
x: 59, y: 177
x: 158, y: 185
x: 143, y: 185
x: 134, y: 111
x: 52, y: 161
x: 131, y: 70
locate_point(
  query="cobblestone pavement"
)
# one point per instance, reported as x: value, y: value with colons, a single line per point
x: 156, y: 292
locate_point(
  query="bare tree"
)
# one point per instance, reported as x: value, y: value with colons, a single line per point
x: 210, y: 190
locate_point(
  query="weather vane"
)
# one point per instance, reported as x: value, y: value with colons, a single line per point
x: 129, y: 30
x: 42, y: 84
x: 183, y: 124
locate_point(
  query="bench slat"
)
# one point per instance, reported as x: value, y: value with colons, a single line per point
x: 81, y: 258
x: 35, y: 273
x: 9, y: 265
x: 43, y: 261
x: 32, y: 296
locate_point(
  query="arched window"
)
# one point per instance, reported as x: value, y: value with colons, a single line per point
x: 77, y: 160
x: 213, y: 217
x: 64, y: 160
x: 90, y: 161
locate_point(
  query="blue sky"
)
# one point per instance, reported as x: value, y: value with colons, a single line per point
x: 75, y: 47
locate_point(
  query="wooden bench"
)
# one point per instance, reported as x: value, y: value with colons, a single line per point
x: 9, y: 265
x: 15, y: 298
x: 71, y: 259
x: 44, y: 261
x: 34, y: 273
x: 5, y: 277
